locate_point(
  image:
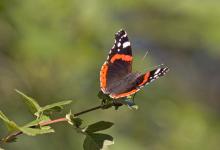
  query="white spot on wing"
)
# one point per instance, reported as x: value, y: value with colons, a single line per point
x: 126, y: 44
x: 156, y: 77
x: 158, y: 70
x: 124, y: 35
x: 119, y: 44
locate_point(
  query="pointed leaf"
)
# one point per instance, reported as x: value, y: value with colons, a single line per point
x: 97, y: 141
x: 99, y: 126
x: 12, y: 126
x: 53, y: 109
x: 30, y: 102
x: 55, y: 106
x: 36, y: 131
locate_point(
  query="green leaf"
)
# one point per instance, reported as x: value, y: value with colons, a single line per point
x: 27, y: 129
x: 30, y: 102
x: 97, y: 141
x: 30, y: 130
x: 36, y: 131
x: 12, y: 137
x: 35, y: 108
x: 12, y: 126
x: 99, y: 126
x: 55, y: 106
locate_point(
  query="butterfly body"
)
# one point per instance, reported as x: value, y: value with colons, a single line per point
x: 116, y: 77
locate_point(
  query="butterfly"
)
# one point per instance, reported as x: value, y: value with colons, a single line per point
x: 116, y: 77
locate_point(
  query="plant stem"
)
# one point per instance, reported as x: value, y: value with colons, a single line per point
x: 53, y: 121
x: 65, y: 119
x: 12, y: 136
x: 88, y: 110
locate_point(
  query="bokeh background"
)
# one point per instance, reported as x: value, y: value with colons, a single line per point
x: 53, y: 49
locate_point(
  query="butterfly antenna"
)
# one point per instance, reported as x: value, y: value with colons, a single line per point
x: 145, y: 55
x: 153, y: 66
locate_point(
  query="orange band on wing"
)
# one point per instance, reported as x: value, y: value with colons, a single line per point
x: 124, y: 94
x: 103, y: 75
x: 121, y: 56
x: 146, y: 76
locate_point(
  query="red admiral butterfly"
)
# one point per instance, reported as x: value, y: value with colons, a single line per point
x: 116, y: 77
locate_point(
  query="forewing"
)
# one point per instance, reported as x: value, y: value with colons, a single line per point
x: 119, y: 62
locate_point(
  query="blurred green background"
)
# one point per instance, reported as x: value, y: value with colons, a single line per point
x: 53, y: 49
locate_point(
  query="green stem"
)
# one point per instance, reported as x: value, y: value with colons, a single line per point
x: 13, y: 135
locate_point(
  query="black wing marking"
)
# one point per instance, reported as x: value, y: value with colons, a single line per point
x: 119, y: 61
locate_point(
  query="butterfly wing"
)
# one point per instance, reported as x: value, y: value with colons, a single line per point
x: 140, y: 82
x: 118, y: 64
